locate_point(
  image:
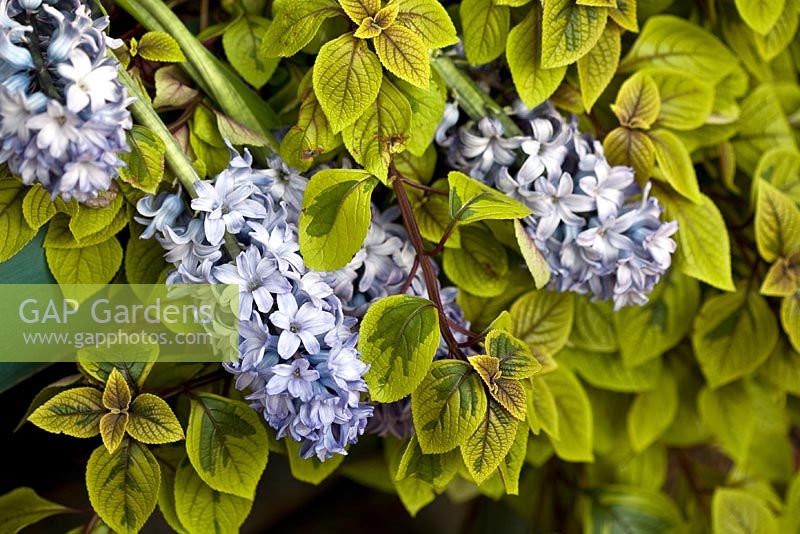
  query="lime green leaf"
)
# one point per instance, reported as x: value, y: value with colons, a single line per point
x: 593, y: 328
x: 117, y: 394
x: 95, y: 264
x: 777, y: 223
x: 237, y: 133
x: 427, y: 108
x: 75, y: 412
x: 310, y: 470
x: 790, y: 521
x: 686, y: 102
x: 647, y: 332
x: 514, y: 356
x: 447, y: 406
x: 404, y: 54
x: 632, y: 148
x: 144, y: 259
x: 398, y: 339
x: 622, y: 508
x: 380, y: 132
x: 781, y: 168
x: 144, y: 164
x: 782, y: 278
x: 647, y: 470
x: 703, y: 246
x: 472, y: 201
x: 489, y: 444
x: 762, y: 127
x: 416, y: 168
x: 242, y: 43
x: 734, y: 334
x: 152, y: 421
x: 38, y: 207
x: 790, y: 318
x: 569, y: 31
x: 347, y: 79
x: 485, y: 27
x: 735, y: 511
x: 597, y: 67
x: 414, y: 493
x: 160, y: 46
x: 295, y: 27
x: 608, y: 371
x: 625, y: 15
x: 534, y: 260
x: 360, y: 9
x: 775, y: 41
x: 509, y: 393
x: 335, y: 218
x: 675, y: 163
x: 534, y: 83
x: 433, y: 216
x: 675, y: 43
x: 47, y: 393
x: 542, y: 409
x: 13, y: 227
x: 652, y: 412
x: 227, y: 444
x: 112, y: 429
x: 123, y: 485
x: 429, y: 20
x: 169, y: 458
x: 435, y: 469
x: 543, y: 320
x: 728, y: 413
x: 312, y: 136
x: 91, y: 360
x: 511, y: 466
x: 761, y: 15
x: 575, y: 427
x: 90, y: 220
x: 22, y: 507
x: 481, y: 264
x: 638, y: 102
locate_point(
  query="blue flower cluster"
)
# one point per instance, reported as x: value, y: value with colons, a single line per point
x: 63, y: 112
x: 599, y: 231
x: 297, y: 346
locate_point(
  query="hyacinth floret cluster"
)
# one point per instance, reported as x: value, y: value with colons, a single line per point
x: 63, y: 112
x: 298, y: 356
x: 600, y: 232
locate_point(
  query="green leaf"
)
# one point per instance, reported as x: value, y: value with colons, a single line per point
x: 169, y: 458
x: 38, y: 207
x: 117, y: 394
x: 632, y: 148
x: 598, y: 66
x: 144, y: 164
x: 420, y: 168
x: 435, y: 469
x: 761, y: 15
x: 734, y: 334
x: 703, y: 247
x: 123, y: 485
x: 509, y: 393
x: 47, y: 393
x: 472, y: 201
x: 398, y: 339
x: 534, y: 83
x: 404, y: 54
x: 762, y: 127
x: 159, y: 46
x: 625, y: 15
x: 647, y: 332
x: 652, y: 412
x: 631, y: 509
x: 608, y: 371
x: 674, y: 43
x: 172, y: 88
x: 335, y: 217
x: 347, y: 79
x: 481, y: 264
x: 95, y: 264
x: 427, y: 108
x: 433, y: 215
x: 112, y: 429
x: 735, y: 511
x: 380, y: 132
x: 638, y: 102
x: 675, y: 164
x: 202, y: 509
x: 310, y: 470
x: 781, y: 35
x: 295, y: 27
x: 728, y: 413
x: 542, y: 409
x: 777, y: 223
x: 485, y: 27
x: 227, y: 444
x: 515, y: 360
x: 490, y: 443
x: 414, y: 493
x: 790, y: 318
x: 242, y: 42
x: 511, y: 466
x: 357, y: 10
x: 782, y: 278
x: 569, y: 31
x: 60, y: 236
x: 575, y: 426
x: 92, y: 362
x: 152, y: 421
x: 686, y: 102
x: 75, y: 412
x: 144, y: 259
x: 781, y: 168
x: 593, y: 328
x: 15, y: 231
x: 543, y: 320
x: 90, y: 220
x: 237, y: 133
x: 429, y: 20
x: 534, y: 260
x: 22, y: 507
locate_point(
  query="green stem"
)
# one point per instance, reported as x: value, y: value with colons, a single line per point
x: 470, y: 97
